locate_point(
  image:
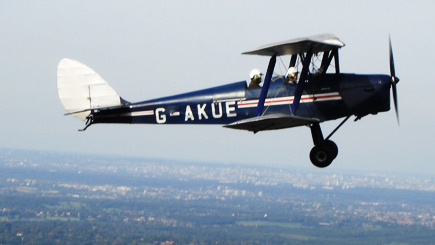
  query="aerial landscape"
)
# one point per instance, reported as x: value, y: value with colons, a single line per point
x: 60, y: 197
x: 300, y: 130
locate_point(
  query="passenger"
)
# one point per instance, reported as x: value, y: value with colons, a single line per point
x: 292, y: 75
x: 255, y: 76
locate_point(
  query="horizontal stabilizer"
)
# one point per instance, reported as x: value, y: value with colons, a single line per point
x: 99, y: 108
x: 81, y: 89
x: 270, y: 122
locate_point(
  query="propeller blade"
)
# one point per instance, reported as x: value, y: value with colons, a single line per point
x: 396, y: 106
x: 394, y: 81
x: 392, y: 69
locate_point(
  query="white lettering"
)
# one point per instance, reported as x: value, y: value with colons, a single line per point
x: 160, y: 118
x: 188, y: 114
x: 213, y: 110
x: 201, y: 111
x: 229, y: 109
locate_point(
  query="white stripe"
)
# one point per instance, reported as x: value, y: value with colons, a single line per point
x: 142, y: 113
x: 289, y: 100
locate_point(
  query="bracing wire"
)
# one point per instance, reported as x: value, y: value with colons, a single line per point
x: 281, y: 67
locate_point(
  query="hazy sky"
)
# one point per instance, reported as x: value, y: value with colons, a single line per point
x: 149, y: 49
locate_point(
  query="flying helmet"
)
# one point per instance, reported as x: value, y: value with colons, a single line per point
x: 255, y: 73
x: 292, y: 71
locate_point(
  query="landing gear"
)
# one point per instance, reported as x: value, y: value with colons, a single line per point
x: 324, y: 150
x: 323, y: 154
x: 89, y: 121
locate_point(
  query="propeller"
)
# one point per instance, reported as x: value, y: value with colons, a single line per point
x: 394, y: 81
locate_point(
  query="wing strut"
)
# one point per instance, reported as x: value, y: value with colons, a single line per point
x: 293, y: 60
x: 301, y: 83
x: 266, y: 84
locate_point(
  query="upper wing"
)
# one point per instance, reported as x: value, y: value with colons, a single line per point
x: 318, y: 43
x: 271, y: 122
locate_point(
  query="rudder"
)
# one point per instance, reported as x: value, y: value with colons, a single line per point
x: 80, y: 89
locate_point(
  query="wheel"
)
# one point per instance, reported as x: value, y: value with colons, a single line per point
x: 323, y: 154
x: 333, y: 147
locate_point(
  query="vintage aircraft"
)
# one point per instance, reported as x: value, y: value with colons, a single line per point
x: 316, y: 97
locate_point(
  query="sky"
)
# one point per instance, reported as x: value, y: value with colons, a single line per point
x: 151, y: 49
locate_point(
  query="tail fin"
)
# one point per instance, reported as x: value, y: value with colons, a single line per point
x: 81, y: 89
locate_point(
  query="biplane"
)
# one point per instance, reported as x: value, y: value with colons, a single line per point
x: 317, y: 96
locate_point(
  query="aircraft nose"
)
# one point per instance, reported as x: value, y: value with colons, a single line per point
x: 381, y: 86
x: 366, y: 94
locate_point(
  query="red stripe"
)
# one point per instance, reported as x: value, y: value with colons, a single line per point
x: 291, y: 100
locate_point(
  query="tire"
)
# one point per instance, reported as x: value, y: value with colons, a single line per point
x: 333, y: 147
x: 323, y: 154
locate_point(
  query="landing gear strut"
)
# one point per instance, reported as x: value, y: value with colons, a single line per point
x: 89, y: 121
x: 324, y: 150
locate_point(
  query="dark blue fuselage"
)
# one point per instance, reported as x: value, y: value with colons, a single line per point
x: 326, y: 97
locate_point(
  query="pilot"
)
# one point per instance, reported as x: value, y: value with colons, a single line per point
x: 292, y: 75
x: 255, y: 76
